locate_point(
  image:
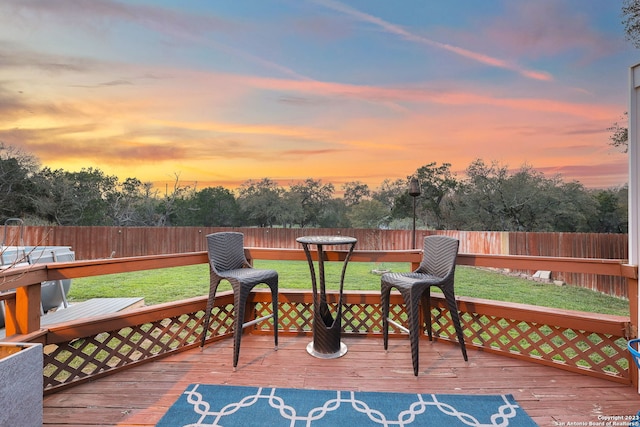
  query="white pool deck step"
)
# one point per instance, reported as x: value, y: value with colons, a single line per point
x: 90, y: 308
x: 86, y: 309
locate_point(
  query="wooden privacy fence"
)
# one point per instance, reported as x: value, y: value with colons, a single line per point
x: 107, y: 242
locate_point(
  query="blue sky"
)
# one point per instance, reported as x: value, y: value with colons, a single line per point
x: 219, y: 92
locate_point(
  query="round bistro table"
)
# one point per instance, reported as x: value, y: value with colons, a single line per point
x: 326, y: 342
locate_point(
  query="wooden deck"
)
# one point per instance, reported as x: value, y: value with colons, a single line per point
x: 140, y: 396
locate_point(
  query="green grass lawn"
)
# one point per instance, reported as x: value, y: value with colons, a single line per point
x: 171, y: 284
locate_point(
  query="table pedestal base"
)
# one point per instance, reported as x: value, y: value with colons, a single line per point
x: 341, y: 352
x: 326, y: 327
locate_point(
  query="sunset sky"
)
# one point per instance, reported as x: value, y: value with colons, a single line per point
x: 218, y: 91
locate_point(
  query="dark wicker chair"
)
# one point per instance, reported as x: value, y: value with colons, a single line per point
x: 228, y: 262
x: 436, y: 269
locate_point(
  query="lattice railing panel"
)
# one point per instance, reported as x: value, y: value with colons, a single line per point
x: 600, y: 354
x: 71, y: 361
x: 263, y: 309
x: 361, y: 318
x: 296, y: 317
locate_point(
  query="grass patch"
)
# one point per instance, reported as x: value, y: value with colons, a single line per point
x: 171, y: 284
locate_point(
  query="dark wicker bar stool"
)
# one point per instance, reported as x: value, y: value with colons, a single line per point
x: 228, y: 262
x: 436, y: 269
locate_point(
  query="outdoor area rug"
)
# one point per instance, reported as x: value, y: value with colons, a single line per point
x: 235, y: 406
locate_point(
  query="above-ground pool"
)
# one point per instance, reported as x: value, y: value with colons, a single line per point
x: 53, y: 292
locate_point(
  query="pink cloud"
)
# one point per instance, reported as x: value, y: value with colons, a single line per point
x: 98, y: 15
x: 425, y: 95
x: 546, y: 28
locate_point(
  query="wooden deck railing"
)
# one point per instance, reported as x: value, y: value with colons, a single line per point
x: 77, y: 351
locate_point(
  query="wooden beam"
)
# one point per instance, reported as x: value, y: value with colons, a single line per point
x: 22, y: 314
x: 633, y: 332
x: 75, y: 269
x: 15, y: 277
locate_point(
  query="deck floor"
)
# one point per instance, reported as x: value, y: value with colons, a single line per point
x: 141, y: 395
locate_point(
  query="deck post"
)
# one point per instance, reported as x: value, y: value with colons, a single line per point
x: 633, y: 331
x: 23, y: 313
x: 634, y: 189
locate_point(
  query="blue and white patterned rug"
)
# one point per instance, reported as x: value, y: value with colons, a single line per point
x: 234, y: 406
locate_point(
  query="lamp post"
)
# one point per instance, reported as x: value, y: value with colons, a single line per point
x: 414, y: 191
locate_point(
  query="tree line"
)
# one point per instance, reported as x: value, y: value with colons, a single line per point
x: 491, y: 197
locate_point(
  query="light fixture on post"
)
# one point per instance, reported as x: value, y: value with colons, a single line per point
x: 414, y: 191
